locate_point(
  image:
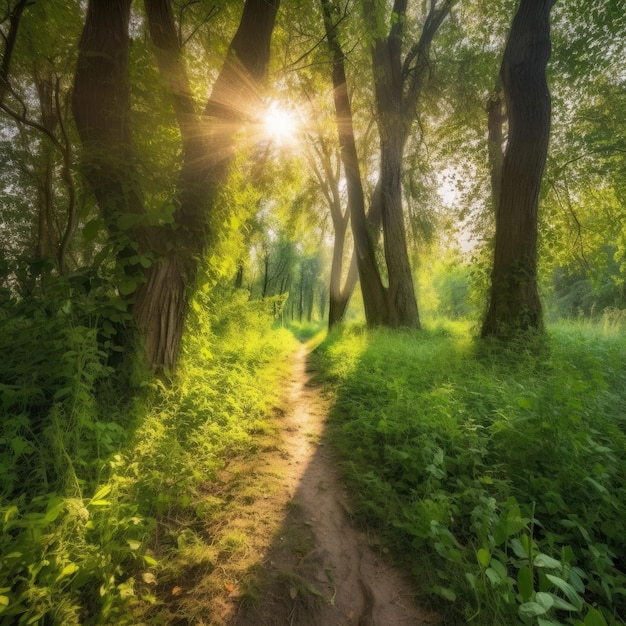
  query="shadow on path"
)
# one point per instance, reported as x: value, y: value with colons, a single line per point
x: 320, y: 569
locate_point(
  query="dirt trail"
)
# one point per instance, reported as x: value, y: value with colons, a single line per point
x: 320, y: 570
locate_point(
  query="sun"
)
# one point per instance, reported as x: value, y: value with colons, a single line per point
x: 280, y: 125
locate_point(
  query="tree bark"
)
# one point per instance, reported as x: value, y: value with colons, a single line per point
x: 514, y: 300
x: 15, y: 15
x: 495, y: 120
x: 372, y: 288
x: 101, y: 105
x: 398, y: 86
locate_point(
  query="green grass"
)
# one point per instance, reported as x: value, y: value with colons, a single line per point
x: 497, y: 473
x: 97, y: 478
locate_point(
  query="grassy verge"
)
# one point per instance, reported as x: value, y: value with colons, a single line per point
x: 499, y: 474
x: 111, y: 494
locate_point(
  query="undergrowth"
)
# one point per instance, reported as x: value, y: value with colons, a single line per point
x: 97, y: 456
x: 498, y: 473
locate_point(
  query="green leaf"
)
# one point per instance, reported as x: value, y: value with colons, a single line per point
x: 127, y: 285
x: 526, y: 403
x: 54, y: 507
x: 543, y: 560
x: 562, y: 605
x: 568, y: 590
x: 547, y: 622
x: 133, y: 544
x: 594, y: 618
x: 92, y: 229
x: 446, y: 593
x: 105, y: 490
x: 525, y: 584
x: 127, y: 221
x: 545, y: 599
x: 68, y: 570
x: 518, y: 548
x: 531, y: 609
x: 484, y: 558
x: 4, y: 601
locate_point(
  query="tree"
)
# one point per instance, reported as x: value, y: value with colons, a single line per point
x: 398, y: 82
x: 33, y: 95
x: 514, y: 300
x: 168, y: 255
x: 374, y: 293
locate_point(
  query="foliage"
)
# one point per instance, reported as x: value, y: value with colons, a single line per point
x: 91, y: 463
x: 497, y: 472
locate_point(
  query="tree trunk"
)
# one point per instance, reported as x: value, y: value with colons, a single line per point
x: 239, y: 275
x: 495, y: 119
x: 374, y: 293
x: 398, y: 86
x: 402, y: 311
x: 101, y: 105
x: 47, y: 236
x: 339, y: 299
x: 514, y: 300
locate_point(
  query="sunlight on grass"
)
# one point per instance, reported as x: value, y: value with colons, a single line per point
x: 481, y: 463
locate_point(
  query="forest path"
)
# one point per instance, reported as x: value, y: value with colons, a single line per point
x: 320, y: 569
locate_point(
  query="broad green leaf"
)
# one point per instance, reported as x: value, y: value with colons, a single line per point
x: 594, y: 618
x: 54, y: 508
x: 4, y: 601
x: 542, y: 621
x: 525, y: 583
x: 127, y: 285
x: 484, y: 558
x: 568, y: 590
x: 531, y: 609
x: 543, y: 560
x: 493, y: 576
x: 133, y: 544
x: 127, y: 221
x: 446, y: 593
x: 92, y: 229
x: 562, y: 605
x: 545, y: 599
x: 518, y: 548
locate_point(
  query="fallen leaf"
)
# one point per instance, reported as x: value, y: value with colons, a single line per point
x: 149, y: 578
x: 229, y: 587
x: 177, y: 591
x: 293, y: 592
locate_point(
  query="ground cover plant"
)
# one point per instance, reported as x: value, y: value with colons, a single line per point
x: 498, y: 473
x: 93, y: 467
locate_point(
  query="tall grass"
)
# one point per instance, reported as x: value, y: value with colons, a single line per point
x: 92, y: 468
x: 497, y: 472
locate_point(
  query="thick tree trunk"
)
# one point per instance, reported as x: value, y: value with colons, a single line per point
x: 495, y: 120
x: 339, y: 298
x: 401, y: 292
x: 101, y: 105
x: 398, y: 86
x: 514, y: 301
